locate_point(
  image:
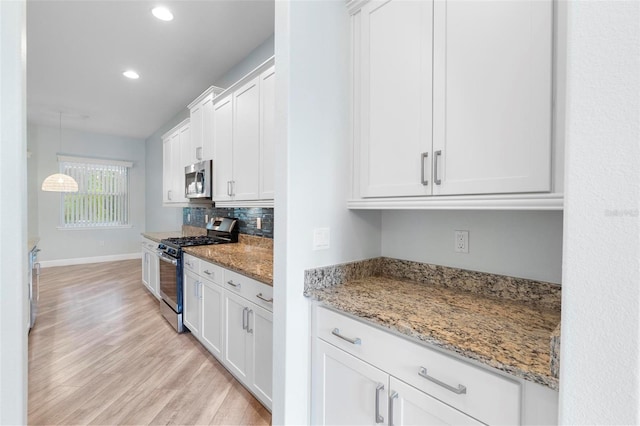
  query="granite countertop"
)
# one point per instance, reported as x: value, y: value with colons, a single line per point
x: 251, y: 260
x: 507, y: 333
x: 157, y: 236
x: 32, y: 242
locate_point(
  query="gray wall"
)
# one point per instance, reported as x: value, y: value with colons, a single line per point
x: 159, y: 218
x: 517, y: 243
x: 59, y: 244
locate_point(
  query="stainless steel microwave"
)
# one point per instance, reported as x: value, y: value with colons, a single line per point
x: 197, y: 180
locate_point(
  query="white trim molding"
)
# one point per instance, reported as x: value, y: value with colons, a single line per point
x: 485, y: 202
x: 85, y: 260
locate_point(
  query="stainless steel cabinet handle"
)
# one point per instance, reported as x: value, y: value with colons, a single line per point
x: 229, y: 188
x: 435, y: 167
x: 423, y: 157
x: 169, y: 195
x: 230, y: 282
x: 392, y: 397
x: 379, y: 388
x: 199, y: 153
x: 249, y: 330
x: 261, y: 297
x: 459, y: 390
x: 233, y: 188
x: 188, y: 264
x: 206, y: 271
x: 355, y: 341
x: 245, y: 318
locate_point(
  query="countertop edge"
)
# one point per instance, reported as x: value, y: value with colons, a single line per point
x: 548, y: 381
x: 222, y: 265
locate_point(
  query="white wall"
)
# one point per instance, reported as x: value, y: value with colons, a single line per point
x: 312, y: 182
x: 59, y: 244
x: 516, y: 243
x: 33, y: 187
x: 600, y: 354
x: 13, y: 220
x: 159, y: 218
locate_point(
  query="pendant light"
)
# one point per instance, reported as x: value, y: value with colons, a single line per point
x: 59, y: 182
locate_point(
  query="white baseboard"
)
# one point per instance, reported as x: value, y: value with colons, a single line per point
x: 84, y: 260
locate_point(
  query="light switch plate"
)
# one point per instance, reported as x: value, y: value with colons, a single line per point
x: 321, y: 237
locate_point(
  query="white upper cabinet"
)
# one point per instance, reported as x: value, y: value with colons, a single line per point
x: 246, y: 141
x: 267, y: 132
x: 175, y: 152
x: 453, y: 98
x: 395, y: 102
x: 492, y: 96
x: 201, y: 115
x: 243, y: 129
x: 223, y: 148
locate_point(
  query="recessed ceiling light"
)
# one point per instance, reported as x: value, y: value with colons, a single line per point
x: 162, y: 13
x: 131, y: 74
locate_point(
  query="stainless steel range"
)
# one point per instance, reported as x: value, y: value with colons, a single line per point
x: 223, y: 230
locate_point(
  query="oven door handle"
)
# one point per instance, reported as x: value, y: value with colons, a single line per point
x: 168, y: 259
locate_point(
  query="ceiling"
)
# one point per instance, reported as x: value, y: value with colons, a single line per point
x: 77, y: 51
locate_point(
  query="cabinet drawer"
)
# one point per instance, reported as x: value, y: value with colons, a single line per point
x: 488, y: 397
x: 252, y: 290
x: 191, y: 263
x: 211, y: 272
x: 149, y: 244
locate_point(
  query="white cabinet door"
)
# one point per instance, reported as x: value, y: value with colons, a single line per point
x: 184, y: 160
x: 191, y: 303
x: 261, y: 326
x: 146, y: 265
x: 246, y: 141
x: 345, y: 389
x: 410, y: 407
x: 167, y: 172
x: 223, y: 148
x: 207, y: 130
x: 154, y: 273
x: 237, y: 340
x: 196, y: 120
x: 393, y: 79
x: 267, y: 133
x: 212, y: 317
x: 492, y: 96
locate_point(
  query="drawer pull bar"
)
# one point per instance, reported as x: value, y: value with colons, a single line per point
x: 261, y: 297
x: 356, y: 341
x: 459, y: 390
x: 394, y: 395
x: 230, y: 282
x: 379, y: 388
x: 206, y: 271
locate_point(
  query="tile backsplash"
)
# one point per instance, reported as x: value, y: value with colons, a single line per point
x: 194, y: 216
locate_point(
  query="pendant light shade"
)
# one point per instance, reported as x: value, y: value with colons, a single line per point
x: 58, y: 182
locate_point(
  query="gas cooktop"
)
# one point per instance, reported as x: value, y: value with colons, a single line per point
x: 192, y: 241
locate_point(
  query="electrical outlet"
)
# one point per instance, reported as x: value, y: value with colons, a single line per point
x: 461, y: 242
x: 189, y: 217
x: 258, y: 223
x: 321, y: 238
x: 206, y: 218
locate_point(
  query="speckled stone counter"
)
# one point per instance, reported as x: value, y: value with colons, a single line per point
x: 32, y: 242
x: 157, y: 236
x: 503, y: 322
x: 251, y: 256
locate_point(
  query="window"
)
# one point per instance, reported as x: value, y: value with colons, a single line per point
x: 102, y: 199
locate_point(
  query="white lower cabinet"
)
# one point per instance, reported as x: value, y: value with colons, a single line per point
x: 191, y: 303
x: 363, y: 375
x: 234, y: 322
x: 150, y: 267
x: 212, y: 317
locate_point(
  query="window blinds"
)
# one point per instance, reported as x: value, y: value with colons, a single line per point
x: 102, y: 199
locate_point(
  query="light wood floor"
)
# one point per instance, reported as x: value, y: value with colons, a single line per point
x: 100, y: 353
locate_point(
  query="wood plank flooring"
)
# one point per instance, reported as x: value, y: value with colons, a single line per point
x: 101, y: 353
